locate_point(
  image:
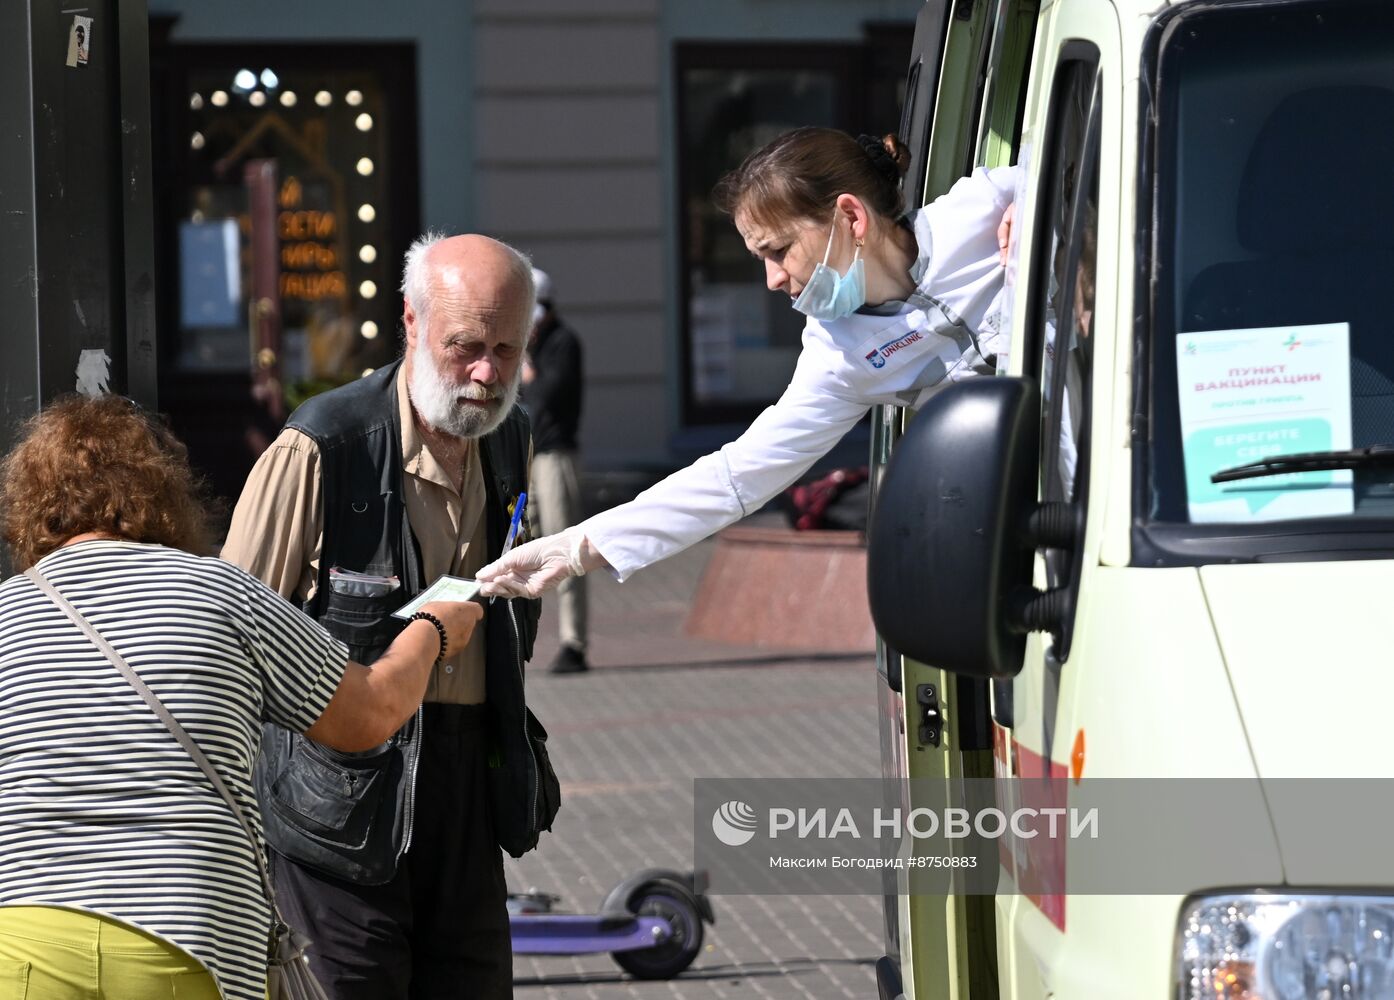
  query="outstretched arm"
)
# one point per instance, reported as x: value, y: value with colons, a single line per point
x: 711, y: 493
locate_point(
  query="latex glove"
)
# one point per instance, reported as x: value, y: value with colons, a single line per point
x: 533, y: 569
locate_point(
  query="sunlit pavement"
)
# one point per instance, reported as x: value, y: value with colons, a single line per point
x: 656, y: 710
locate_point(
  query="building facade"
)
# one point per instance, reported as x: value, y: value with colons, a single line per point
x: 587, y: 133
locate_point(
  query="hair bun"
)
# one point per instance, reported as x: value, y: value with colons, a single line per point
x: 887, y: 154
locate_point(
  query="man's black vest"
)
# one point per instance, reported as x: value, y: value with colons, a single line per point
x: 351, y: 814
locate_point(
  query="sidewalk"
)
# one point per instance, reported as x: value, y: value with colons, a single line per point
x: 656, y: 710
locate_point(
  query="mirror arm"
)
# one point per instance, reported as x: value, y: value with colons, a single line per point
x: 1031, y: 610
x: 1053, y: 525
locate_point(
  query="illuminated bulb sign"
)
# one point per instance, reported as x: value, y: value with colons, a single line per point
x: 309, y: 249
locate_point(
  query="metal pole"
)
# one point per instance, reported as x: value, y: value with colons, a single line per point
x: 77, y: 289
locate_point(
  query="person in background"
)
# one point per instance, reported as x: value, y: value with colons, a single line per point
x: 552, y: 394
x: 390, y: 863
x: 898, y: 305
x: 123, y: 873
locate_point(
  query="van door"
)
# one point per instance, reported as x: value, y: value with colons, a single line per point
x: 964, y: 101
x: 1069, y: 248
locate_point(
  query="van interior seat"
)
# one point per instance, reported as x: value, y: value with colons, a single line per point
x: 1316, y: 209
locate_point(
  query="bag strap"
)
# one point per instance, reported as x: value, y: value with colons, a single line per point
x: 171, y: 723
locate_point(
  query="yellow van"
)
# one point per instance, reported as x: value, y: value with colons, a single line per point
x: 1159, y: 546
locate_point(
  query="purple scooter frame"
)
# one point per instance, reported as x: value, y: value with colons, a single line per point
x: 651, y: 924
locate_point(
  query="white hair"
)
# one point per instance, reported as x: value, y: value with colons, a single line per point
x: 436, y: 397
x: 416, y: 276
x: 416, y: 282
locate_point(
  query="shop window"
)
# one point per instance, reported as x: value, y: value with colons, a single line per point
x: 286, y: 183
x: 740, y: 342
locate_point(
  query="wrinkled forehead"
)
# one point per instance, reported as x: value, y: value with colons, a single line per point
x: 478, y: 303
x: 761, y: 233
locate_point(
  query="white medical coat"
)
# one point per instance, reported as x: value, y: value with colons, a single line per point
x: 942, y: 333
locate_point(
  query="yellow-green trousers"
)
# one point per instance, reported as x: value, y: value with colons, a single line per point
x: 48, y: 953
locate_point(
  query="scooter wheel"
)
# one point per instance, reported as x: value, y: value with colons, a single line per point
x: 666, y: 960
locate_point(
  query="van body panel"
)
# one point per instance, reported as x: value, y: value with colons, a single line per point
x: 1147, y: 684
x: 1297, y: 640
x: 1115, y: 945
x: 1143, y: 655
x: 1118, y: 946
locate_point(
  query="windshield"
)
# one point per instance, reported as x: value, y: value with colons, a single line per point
x: 1273, y: 314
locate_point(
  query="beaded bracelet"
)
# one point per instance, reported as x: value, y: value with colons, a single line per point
x: 426, y: 616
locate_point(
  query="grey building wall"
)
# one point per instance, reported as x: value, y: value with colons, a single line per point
x: 568, y: 165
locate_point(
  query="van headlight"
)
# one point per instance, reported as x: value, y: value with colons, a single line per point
x: 1286, y: 947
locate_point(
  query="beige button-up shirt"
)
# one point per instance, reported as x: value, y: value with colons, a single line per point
x: 278, y: 529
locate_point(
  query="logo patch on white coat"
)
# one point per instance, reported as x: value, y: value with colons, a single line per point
x: 882, y: 354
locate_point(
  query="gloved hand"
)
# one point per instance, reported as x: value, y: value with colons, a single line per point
x: 533, y: 569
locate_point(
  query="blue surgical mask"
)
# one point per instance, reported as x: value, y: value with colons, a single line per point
x: 829, y: 295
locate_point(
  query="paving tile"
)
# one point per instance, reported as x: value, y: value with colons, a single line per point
x: 657, y: 710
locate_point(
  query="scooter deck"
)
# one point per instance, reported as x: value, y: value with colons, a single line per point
x: 581, y: 934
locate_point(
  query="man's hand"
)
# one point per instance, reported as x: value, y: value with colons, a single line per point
x: 533, y: 569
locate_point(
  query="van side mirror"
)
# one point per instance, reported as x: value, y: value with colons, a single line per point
x: 951, y: 545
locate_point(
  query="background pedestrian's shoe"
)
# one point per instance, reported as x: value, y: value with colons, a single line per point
x: 569, y: 660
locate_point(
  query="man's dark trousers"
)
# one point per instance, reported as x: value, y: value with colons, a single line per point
x: 439, y: 929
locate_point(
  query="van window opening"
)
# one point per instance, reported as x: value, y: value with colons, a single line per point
x: 1062, y: 301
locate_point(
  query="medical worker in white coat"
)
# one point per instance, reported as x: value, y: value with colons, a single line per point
x: 898, y: 306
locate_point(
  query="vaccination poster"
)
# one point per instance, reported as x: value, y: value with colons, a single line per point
x: 1248, y: 395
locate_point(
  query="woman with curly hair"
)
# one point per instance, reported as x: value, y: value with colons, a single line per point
x: 123, y: 873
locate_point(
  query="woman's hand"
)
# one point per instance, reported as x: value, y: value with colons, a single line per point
x: 459, y: 619
x: 533, y: 569
x: 1004, y: 233
x: 372, y: 703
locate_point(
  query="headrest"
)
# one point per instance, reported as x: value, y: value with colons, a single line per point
x: 1320, y: 176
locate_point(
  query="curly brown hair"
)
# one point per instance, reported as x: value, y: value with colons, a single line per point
x: 99, y: 465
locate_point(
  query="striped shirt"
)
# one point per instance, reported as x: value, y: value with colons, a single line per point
x: 100, y: 809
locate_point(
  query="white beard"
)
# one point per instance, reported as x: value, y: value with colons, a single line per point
x: 437, y: 399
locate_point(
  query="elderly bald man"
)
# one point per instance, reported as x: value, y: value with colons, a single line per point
x: 389, y: 861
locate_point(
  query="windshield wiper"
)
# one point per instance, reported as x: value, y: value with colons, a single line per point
x: 1310, y: 461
